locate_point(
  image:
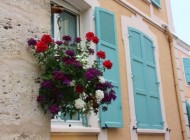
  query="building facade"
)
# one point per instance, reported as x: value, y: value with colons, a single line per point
x: 137, y: 36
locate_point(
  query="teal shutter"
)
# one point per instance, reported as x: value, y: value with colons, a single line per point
x: 106, y: 31
x: 157, y: 3
x: 145, y: 82
x: 188, y: 111
x: 186, y: 63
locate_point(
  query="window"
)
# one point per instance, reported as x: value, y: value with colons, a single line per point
x: 145, y: 81
x: 76, y: 22
x: 157, y: 3
x: 65, y: 23
x: 186, y: 64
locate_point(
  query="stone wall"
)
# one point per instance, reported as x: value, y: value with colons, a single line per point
x: 20, y: 116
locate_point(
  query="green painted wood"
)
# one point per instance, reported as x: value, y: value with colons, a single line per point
x: 188, y: 111
x: 186, y: 63
x: 157, y: 3
x: 106, y: 31
x: 145, y: 82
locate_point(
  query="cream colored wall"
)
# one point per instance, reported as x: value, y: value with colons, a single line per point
x: 74, y: 136
x: 150, y: 9
x: 151, y: 137
x: 141, y: 5
x: 186, y: 87
x: 161, y: 12
x: 170, y: 100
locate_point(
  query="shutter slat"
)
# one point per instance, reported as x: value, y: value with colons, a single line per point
x: 145, y: 82
x: 106, y: 31
x: 186, y: 63
x: 188, y: 111
x: 157, y: 3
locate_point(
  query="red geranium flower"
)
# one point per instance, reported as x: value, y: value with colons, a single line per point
x: 47, y: 39
x: 95, y: 39
x: 89, y: 36
x: 101, y: 54
x: 41, y: 47
x: 79, y: 88
x: 108, y: 64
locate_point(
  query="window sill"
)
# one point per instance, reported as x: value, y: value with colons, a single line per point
x: 73, y: 129
x: 150, y: 131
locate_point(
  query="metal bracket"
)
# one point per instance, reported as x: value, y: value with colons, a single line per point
x: 135, y: 128
x: 132, y: 76
x: 169, y: 130
x: 106, y: 127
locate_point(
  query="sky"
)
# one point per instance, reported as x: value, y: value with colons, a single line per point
x: 181, y: 19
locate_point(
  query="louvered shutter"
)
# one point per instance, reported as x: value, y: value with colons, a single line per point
x: 106, y: 31
x: 186, y: 63
x: 152, y: 85
x: 145, y: 83
x: 188, y: 111
x: 139, y: 86
x: 157, y: 3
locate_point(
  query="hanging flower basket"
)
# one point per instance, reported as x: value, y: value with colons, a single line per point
x: 70, y: 84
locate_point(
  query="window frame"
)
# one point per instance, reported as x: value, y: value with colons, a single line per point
x: 86, y: 19
x: 69, y: 9
x: 146, y: 63
x: 138, y: 23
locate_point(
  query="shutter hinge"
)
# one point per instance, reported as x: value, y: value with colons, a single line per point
x: 93, y: 17
x: 132, y: 76
x: 157, y: 83
x: 169, y: 130
x: 153, y: 47
x: 106, y: 127
x: 135, y: 128
x: 129, y: 36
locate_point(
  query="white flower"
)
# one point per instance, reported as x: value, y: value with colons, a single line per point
x: 99, y: 95
x: 101, y: 79
x: 79, y: 103
x: 72, y: 83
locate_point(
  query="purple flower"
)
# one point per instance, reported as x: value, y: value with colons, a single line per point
x: 54, y: 109
x: 66, y: 38
x: 70, y: 53
x: 59, y: 43
x: 108, y: 84
x: 101, y: 86
x: 32, y: 42
x: 91, y: 51
x: 72, y: 61
x: 92, y: 73
x: 112, y: 95
x: 40, y: 98
x: 109, y: 96
x: 67, y: 80
x: 58, y: 75
x: 106, y: 99
x: 47, y: 84
x: 77, y: 40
